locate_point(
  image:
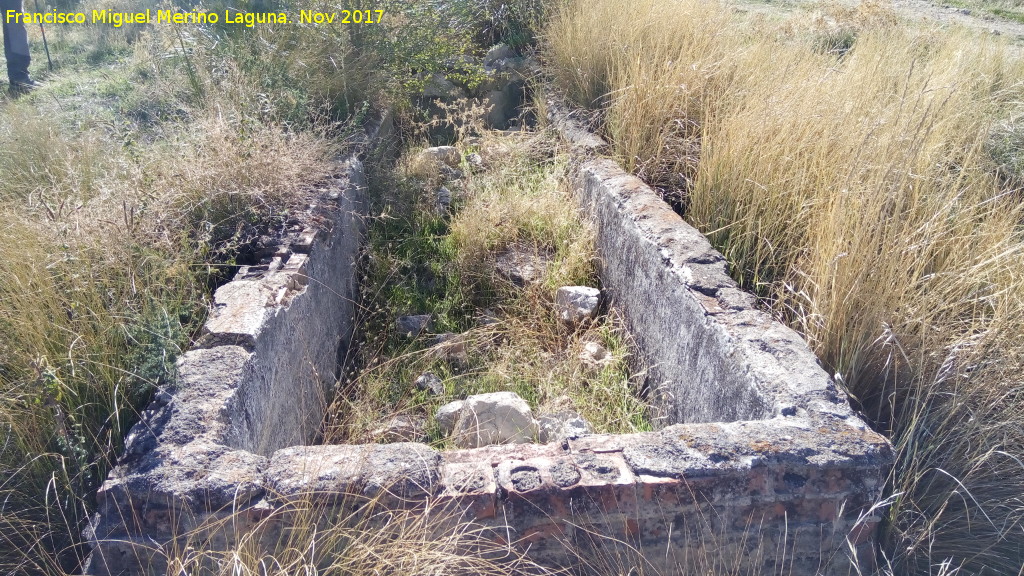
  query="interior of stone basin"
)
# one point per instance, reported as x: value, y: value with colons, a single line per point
x: 711, y: 355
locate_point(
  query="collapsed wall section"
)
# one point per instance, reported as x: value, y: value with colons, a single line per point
x: 290, y: 317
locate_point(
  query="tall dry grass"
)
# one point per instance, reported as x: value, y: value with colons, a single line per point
x: 105, y: 260
x: 849, y: 179
x: 125, y: 195
x: 354, y: 536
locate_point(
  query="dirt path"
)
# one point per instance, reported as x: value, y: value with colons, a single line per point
x: 924, y: 11
x: 976, y: 19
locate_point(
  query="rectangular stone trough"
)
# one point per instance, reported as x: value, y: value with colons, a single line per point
x: 761, y: 466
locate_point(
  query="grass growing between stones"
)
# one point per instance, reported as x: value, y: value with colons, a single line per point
x: 503, y: 334
x: 865, y: 189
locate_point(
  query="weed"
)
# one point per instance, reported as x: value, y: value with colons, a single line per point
x: 424, y: 260
x: 115, y: 230
x: 859, y: 196
x: 354, y: 534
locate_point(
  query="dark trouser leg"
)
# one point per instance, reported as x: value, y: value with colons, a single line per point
x: 15, y: 43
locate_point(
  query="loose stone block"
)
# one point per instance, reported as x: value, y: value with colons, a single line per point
x: 495, y: 418
x: 441, y: 155
x: 562, y: 426
x: 576, y: 304
x: 412, y: 326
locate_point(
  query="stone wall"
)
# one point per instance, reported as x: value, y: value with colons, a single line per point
x: 761, y: 466
x: 256, y: 382
x: 714, y: 356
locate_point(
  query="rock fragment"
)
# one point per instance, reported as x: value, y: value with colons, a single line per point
x: 451, y: 347
x: 448, y: 415
x: 498, y: 52
x: 487, y: 317
x: 562, y: 426
x: 451, y: 174
x: 594, y: 353
x: 444, y: 199
x: 430, y: 382
x: 495, y: 418
x: 437, y: 87
x: 521, y: 266
x: 576, y: 304
x: 401, y: 428
x: 441, y: 155
x: 412, y: 326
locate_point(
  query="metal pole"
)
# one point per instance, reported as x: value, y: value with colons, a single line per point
x: 45, y: 45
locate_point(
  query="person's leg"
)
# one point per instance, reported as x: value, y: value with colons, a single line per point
x: 15, y: 43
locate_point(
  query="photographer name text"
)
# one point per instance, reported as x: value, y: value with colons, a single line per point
x: 248, y: 19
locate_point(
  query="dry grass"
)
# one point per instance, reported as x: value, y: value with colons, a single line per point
x: 355, y: 536
x: 1008, y: 9
x: 424, y: 261
x: 130, y: 187
x: 103, y: 268
x: 522, y: 199
x: 116, y: 225
x: 850, y: 183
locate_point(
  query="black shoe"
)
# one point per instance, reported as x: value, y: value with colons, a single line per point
x: 23, y: 86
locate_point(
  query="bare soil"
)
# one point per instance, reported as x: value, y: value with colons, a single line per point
x: 924, y: 11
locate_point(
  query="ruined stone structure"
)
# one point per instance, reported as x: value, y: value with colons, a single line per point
x: 761, y: 461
